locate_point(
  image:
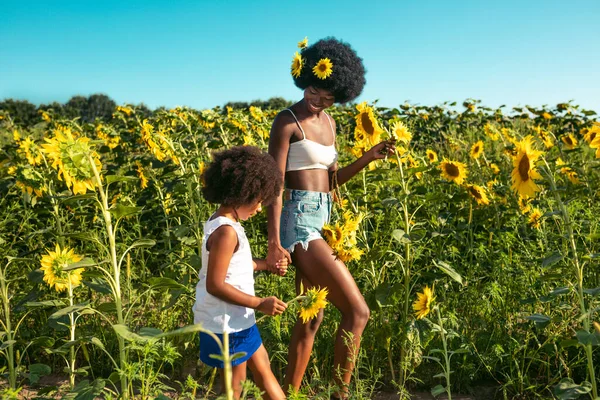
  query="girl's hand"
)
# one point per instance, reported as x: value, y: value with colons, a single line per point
x: 382, y: 150
x: 271, y: 306
x: 275, y: 254
x: 282, y: 266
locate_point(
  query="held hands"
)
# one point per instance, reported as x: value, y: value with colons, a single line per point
x: 271, y: 306
x: 278, y: 260
x: 382, y: 150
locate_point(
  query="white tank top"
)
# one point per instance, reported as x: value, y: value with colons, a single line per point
x: 213, y: 313
x: 307, y: 154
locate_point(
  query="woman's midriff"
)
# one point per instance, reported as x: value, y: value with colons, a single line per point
x: 314, y: 180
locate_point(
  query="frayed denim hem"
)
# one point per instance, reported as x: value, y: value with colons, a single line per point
x: 304, y: 243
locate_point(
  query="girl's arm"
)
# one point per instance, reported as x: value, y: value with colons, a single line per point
x: 260, y: 264
x: 222, y: 244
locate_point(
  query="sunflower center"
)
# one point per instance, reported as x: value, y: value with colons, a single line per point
x: 366, y: 123
x: 592, y: 136
x: 475, y: 193
x: 569, y: 141
x: 452, y: 170
x: 524, y: 168
x: 323, y: 67
x: 476, y: 150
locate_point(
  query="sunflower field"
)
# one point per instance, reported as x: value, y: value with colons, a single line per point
x: 477, y: 248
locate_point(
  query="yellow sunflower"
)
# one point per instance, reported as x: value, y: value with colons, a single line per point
x: 491, y: 131
x: 478, y: 193
x: 297, y: 65
x: 570, y: 141
x: 547, y: 115
x: 545, y: 136
x: 70, y: 154
x: 303, y: 43
x: 125, y: 110
x: 367, y: 127
x: 140, y: 172
x: 16, y: 136
x: 323, y: 69
x: 53, y: 265
x: 592, y: 133
x: 29, y: 180
x: 535, y: 218
x: 431, y: 156
x: 596, y: 145
x: 524, y: 172
x: 158, y: 142
x: 342, y: 237
x: 476, y: 150
x: 454, y: 171
x: 524, y: 204
x: 495, y: 168
x: 401, y: 133
x: 422, y: 306
x: 30, y: 150
x: 314, y: 300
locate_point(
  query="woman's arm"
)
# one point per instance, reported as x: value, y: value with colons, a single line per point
x: 279, y: 144
x: 377, y: 152
x: 223, y: 242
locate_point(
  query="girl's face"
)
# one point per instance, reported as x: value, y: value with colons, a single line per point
x: 317, y: 99
x: 248, y: 211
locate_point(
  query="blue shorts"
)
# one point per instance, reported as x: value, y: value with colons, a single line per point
x: 246, y: 341
x: 302, y: 218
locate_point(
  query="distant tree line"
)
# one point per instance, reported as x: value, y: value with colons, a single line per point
x: 100, y: 106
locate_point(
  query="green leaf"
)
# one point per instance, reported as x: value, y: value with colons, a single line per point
x: 592, y: 256
x: 79, y: 197
x: 68, y: 310
x: 86, y: 391
x: 551, y: 259
x: 400, y: 236
x: 120, y: 211
x: 153, y: 334
x: 117, y: 178
x: 165, y: 283
x: 567, y: 389
x: 5, y: 345
x: 143, y: 243
x: 36, y: 371
x: 44, y: 304
x: 592, y: 292
x: 446, y: 268
x: 98, y: 287
x: 586, y: 338
x: 538, y: 318
x: 86, y: 262
x: 436, y: 391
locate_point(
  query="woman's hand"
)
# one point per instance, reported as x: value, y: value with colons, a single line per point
x: 382, y: 150
x: 271, y: 306
x: 275, y: 256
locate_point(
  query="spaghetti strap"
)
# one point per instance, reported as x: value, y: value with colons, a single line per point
x: 330, y: 126
x: 298, y: 122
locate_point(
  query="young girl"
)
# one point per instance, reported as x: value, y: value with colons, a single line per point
x: 241, y: 180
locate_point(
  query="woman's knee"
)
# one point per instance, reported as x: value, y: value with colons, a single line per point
x: 359, y: 315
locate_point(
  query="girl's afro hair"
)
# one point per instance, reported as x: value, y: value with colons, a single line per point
x: 240, y: 176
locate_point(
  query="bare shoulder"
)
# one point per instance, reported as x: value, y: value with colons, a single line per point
x: 223, y: 237
x: 283, y: 126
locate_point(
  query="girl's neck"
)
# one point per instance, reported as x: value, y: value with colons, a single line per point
x: 228, y: 212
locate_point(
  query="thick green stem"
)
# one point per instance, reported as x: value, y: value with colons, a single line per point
x: 578, y: 274
x: 116, y: 274
x: 72, y: 338
x: 12, y: 376
x: 447, y: 370
x: 227, y: 369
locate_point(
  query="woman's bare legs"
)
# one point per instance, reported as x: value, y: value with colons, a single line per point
x: 319, y: 267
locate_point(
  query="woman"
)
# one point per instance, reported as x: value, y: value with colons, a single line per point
x: 302, y: 143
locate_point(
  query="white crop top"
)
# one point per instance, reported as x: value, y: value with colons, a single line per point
x: 307, y: 154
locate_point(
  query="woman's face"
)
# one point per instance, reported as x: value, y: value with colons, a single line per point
x: 317, y: 99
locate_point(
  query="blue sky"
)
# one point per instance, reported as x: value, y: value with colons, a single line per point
x: 202, y: 54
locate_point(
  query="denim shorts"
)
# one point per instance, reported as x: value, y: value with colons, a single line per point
x: 302, y: 218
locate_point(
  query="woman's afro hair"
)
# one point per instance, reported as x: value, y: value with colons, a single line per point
x: 241, y: 176
x: 348, y: 77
